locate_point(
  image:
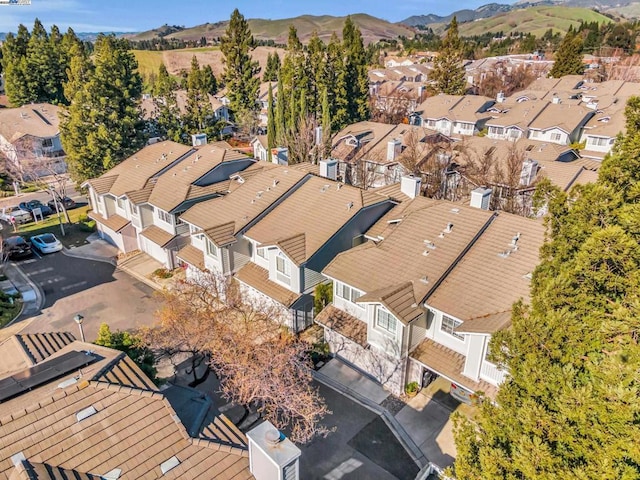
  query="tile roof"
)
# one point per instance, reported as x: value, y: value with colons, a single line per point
x: 26, y: 470
x: 307, y: 167
x: 103, y: 184
x: 345, y: 324
x: 258, y: 278
x: 462, y: 108
x: 369, y: 135
x: 192, y: 255
x: 252, y: 191
x: 114, y: 222
x: 134, y: 172
x: 565, y: 175
x: 491, y: 281
x: 302, y: 235
x: 25, y: 350
x: 416, y: 251
x: 606, y: 124
x: 177, y: 184
x: 399, y: 300
x: 519, y: 114
x: 131, y: 430
x: 37, y: 119
x: 489, y: 323
x: 141, y: 196
x: 449, y: 364
x: 157, y: 235
x: 565, y: 116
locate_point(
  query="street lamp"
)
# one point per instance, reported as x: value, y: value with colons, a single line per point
x: 79, y: 318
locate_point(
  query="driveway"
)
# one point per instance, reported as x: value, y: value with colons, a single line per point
x: 96, y: 290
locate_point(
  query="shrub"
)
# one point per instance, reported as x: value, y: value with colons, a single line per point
x: 162, y: 273
x: 411, y: 388
x: 322, y: 296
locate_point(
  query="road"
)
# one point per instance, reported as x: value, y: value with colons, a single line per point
x: 43, y: 196
x: 96, y: 290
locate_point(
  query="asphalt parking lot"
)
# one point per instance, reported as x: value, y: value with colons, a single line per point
x: 96, y: 290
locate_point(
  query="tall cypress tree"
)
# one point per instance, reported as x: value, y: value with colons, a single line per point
x: 280, y: 118
x: 103, y: 126
x: 356, y: 72
x: 240, y: 73
x: 568, y: 58
x: 271, y: 122
x: 336, y: 83
x: 326, y: 125
x: 448, y: 72
x: 569, y: 407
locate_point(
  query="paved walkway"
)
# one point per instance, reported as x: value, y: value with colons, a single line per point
x: 354, y: 380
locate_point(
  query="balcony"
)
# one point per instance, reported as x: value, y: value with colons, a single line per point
x: 491, y: 373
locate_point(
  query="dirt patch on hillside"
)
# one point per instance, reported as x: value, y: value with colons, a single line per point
x: 177, y: 61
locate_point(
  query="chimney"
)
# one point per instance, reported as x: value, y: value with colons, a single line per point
x: 481, y: 198
x: 500, y: 98
x: 528, y: 172
x: 329, y: 169
x: 556, y: 99
x: 394, y: 148
x: 280, y: 156
x: 198, y: 139
x: 318, y: 135
x: 271, y: 455
x: 410, y: 186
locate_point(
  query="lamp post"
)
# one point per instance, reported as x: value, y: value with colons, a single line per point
x: 79, y: 318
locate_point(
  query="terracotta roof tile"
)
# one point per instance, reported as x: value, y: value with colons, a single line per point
x: 192, y: 255
x: 346, y: 325
x: 449, y: 364
x: 25, y: 350
x: 37, y: 119
x: 489, y: 323
x: 258, y: 278
x: 399, y: 300
x: 103, y: 184
x: 114, y: 222
x: 157, y: 235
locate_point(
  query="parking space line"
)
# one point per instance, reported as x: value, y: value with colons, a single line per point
x: 36, y: 253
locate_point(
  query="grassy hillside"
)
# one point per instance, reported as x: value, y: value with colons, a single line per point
x: 148, y: 61
x: 535, y: 20
x: 372, y: 28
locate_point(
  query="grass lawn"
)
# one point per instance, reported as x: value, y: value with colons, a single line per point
x: 75, y: 233
x: 8, y: 310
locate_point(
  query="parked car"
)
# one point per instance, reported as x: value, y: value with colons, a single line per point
x: 33, y: 204
x: 16, y: 247
x: 15, y: 215
x: 46, y: 243
x: 66, y: 201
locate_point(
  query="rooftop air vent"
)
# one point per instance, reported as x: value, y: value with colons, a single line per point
x: 112, y: 474
x: 429, y: 244
x: 86, y: 413
x: 276, y: 182
x: 504, y: 254
x: 448, y: 228
x: 68, y: 383
x: 349, y: 205
x: 173, y: 462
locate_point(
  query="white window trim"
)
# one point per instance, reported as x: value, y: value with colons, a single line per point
x: 211, y: 252
x: 393, y: 333
x: 166, y: 217
x: 283, y: 276
x: 339, y: 287
x: 452, y: 334
x: 265, y: 255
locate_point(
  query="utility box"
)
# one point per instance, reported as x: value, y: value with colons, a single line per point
x: 272, y: 456
x: 481, y: 198
x: 198, y: 139
x: 329, y: 169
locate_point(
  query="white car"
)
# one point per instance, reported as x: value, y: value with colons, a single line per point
x: 15, y: 215
x: 46, y: 243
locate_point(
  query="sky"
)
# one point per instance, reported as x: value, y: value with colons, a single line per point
x: 141, y: 15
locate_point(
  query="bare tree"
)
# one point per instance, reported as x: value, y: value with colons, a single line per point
x: 259, y: 362
x: 301, y: 143
x: 393, y: 108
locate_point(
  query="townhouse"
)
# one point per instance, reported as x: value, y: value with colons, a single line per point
x: 276, y: 230
x: 511, y: 120
x: 79, y: 410
x: 454, y: 115
x: 137, y: 204
x: 30, y: 140
x: 560, y: 122
x: 600, y: 132
x: 428, y: 289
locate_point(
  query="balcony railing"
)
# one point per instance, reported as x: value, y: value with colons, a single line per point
x: 492, y: 373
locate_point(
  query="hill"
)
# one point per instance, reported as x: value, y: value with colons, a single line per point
x: 485, y: 11
x: 535, y: 20
x: 372, y: 28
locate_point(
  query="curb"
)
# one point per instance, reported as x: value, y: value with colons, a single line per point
x: 123, y: 268
x: 87, y: 256
x: 400, y: 433
x: 24, y: 280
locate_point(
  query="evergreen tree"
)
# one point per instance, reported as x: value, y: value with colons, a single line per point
x: 271, y: 122
x: 40, y: 65
x: 335, y: 83
x: 14, y: 52
x: 199, y: 112
x: 315, y: 66
x: 356, y: 73
x: 568, y: 58
x: 280, y: 119
x: 79, y: 71
x: 326, y: 125
x: 569, y: 407
x: 241, y: 71
x: 448, y: 72
x: 167, y: 114
x: 103, y: 126
x: 272, y: 69
x: 209, y: 82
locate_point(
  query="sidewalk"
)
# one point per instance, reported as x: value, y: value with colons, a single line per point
x: 32, y: 296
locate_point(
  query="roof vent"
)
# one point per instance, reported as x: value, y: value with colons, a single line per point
x: 425, y: 279
x: 504, y: 254
x: 528, y: 276
x: 163, y: 156
x: 324, y: 188
x: 425, y: 253
x: 349, y: 205
x: 514, y: 240
x: 237, y: 178
x: 86, y: 413
x: 18, y: 458
x: 455, y: 210
x: 68, y: 383
x: 173, y: 462
x: 338, y: 186
x: 429, y: 244
x: 449, y: 228
x: 259, y: 194
x: 112, y: 474
x: 276, y: 182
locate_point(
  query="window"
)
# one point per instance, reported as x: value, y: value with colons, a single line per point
x: 556, y: 137
x: 534, y: 133
x: 164, y: 216
x: 283, y: 269
x: 47, y: 143
x: 431, y: 123
x: 212, y: 250
x: 261, y: 252
x: 132, y: 208
x: 496, y: 130
x: 598, y: 141
x: 386, y: 321
x: 348, y: 293
x: 448, y: 326
x: 514, y: 133
x: 120, y: 201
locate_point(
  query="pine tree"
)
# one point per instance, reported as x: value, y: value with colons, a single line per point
x: 448, y: 72
x: 103, y: 126
x: 210, y: 83
x: 356, y: 73
x: 14, y: 51
x: 272, y: 69
x: 568, y: 58
x: 569, y: 407
x: 199, y: 112
x: 335, y: 83
x: 241, y: 71
x: 271, y: 122
x: 167, y: 114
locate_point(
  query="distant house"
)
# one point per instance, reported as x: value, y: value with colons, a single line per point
x: 600, y: 132
x: 454, y: 115
x: 30, y: 140
x: 560, y: 123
